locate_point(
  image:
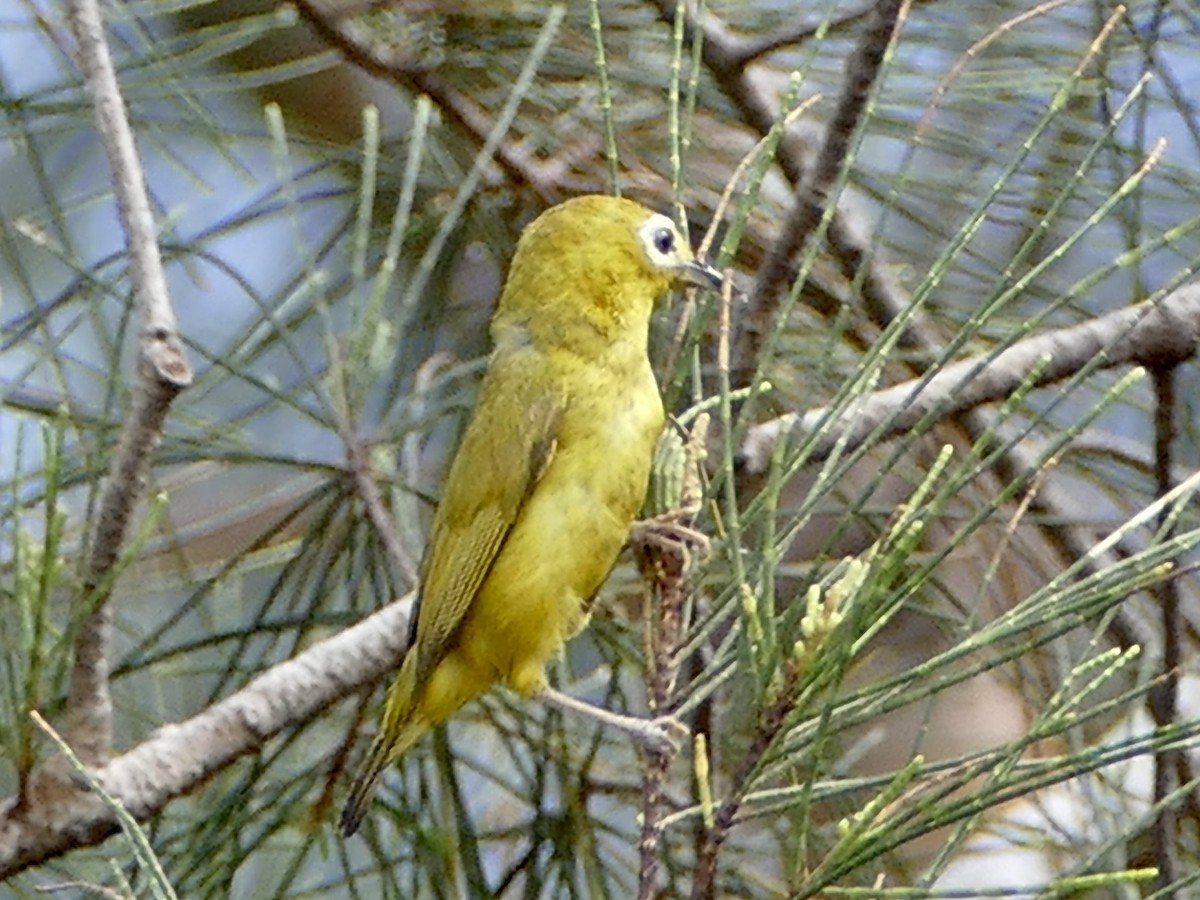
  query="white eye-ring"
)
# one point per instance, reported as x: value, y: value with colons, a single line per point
x: 660, y: 240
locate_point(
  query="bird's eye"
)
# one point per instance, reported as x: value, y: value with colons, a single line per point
x: 664, y: 241
x: 660, y: 242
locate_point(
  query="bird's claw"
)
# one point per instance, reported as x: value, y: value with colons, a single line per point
x: 668, y: 543
x: 666, y: 734
x: 668, y: 532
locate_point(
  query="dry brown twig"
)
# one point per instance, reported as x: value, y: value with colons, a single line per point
x: 333, y: 25
x: 1170, y: 765
x: 814, y: 195
x: 665, y: 548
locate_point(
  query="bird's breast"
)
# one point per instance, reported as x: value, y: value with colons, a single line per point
x: 571, y: 528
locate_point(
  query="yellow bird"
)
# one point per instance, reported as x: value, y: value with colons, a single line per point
x: 550, y: 472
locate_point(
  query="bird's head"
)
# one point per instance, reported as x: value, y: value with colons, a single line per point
x: 597, y: 263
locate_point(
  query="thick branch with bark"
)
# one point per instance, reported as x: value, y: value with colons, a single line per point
x: 1147, y: 334
x: 180, y: 757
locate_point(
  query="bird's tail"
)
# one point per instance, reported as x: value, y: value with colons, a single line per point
x: 398, y: 731
x: 410, y: 711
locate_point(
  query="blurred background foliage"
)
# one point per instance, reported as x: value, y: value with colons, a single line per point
x: 333, y: 273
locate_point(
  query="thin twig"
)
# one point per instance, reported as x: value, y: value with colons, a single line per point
x: 1164, y: 698
x: 664, y: 550
x: 752, y: 49
x: 770, y: 724
x: 382, y: 61
x: 162, y: 371
x: 813, y: 195
x: 81, y: 889
x: 972, y: 53
x: 363, y: 476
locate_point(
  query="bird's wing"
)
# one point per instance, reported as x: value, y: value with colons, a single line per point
x: 503, y: 454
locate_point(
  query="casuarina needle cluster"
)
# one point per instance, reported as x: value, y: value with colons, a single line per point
x: 550, y: 472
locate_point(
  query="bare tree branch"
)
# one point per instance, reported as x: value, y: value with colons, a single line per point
x: 385, y: 62
x: 162, y: 371
x: 1149, y: 334
x: 178, y: 758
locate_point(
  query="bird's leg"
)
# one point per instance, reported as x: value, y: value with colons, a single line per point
x: 663, y: 734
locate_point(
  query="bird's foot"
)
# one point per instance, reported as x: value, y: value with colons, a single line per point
x: 668, y: 541
x: 664, y: 734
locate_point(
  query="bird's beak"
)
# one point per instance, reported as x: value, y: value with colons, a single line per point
x: 701, y: 274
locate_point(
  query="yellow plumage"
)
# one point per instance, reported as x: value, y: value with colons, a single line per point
x: 550, y: 472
